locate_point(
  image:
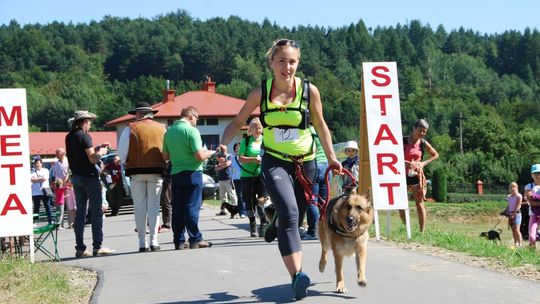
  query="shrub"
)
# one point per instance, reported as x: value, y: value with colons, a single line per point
x: 439, y: 185
x: 473, y: 197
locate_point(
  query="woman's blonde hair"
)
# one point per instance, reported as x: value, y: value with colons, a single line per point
x: 255, y: 122
x: 512, y: 184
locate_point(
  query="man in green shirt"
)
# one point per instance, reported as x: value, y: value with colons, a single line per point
x: 182, y: 146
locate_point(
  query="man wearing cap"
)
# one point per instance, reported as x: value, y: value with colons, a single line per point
x: 139, y: 148
x: 85, y: 178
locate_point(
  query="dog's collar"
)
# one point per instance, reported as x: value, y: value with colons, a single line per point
x: 335, y: 228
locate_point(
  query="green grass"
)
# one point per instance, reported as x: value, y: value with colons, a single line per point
x: 456, y: 227
x: 24, y: 282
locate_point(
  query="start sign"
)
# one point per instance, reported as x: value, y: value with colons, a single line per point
x: 15, y: 197
x: 384, y: 135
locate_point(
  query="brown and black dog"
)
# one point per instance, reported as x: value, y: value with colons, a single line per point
x: 344, y: 230
x: 268, y: 208
x: 233, y: 209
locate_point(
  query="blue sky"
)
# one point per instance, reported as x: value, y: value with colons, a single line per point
x: 494, y: 16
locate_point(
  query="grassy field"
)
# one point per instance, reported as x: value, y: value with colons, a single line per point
x: 454, y: 227
x: 23, y: 282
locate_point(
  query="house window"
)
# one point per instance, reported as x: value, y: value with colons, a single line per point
x: 211, y: 121
x: 170, y: 122
x: 200, y: 121
x: 211, y: 141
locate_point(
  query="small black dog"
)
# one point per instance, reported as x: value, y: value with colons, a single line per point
x: 492, y: 235
x: 233, y: 209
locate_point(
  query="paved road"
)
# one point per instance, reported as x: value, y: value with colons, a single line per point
x: 240, y: 269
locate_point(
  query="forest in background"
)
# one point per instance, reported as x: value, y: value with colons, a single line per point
x: 480, y: 93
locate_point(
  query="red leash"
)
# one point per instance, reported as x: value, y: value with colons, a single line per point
x: 321, y: 203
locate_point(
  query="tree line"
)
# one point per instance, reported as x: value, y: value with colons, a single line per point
x: 480, y: 93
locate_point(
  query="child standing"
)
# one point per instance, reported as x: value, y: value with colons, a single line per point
x: 59, y: 192
x: 351, y: 164
x: 514, y: 213
x: 532, y: 191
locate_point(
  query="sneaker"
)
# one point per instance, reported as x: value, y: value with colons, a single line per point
x: 309, y: 237
x: 201, y: 244
x: 242, y: 216
x: 144, y: 249
x: 102, y: 251
x: 82, y: 253
x: 270, y: 231
x: 221, y: 213
x: 163, y: 229
x: 155, y: 248
x: 300, y: 284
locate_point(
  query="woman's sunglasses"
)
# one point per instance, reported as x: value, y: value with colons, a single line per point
x: 284, y: 42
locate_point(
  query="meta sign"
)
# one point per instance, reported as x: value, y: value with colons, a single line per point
x: 15, y: 195
x: 385, y: 139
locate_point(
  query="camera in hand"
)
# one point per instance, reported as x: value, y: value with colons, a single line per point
x: 220, y: 152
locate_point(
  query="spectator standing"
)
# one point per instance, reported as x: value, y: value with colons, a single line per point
x: 514, y: 213
x: 114, y: 184
x: 182, y: 146
x: 252, y: 185
x: 351, y: 164
x: 140, y: 148
x: 414, y: 147
x: 318, y: 189
x: 85, y: 179
x: 236, y: 171
x: 60, y: 172
x: 226, y: 186
x: 165, y: 200
x: 40, y: 188
x: 532, y: 194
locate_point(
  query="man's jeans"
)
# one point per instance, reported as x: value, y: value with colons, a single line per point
x: 319, y: 188
x: 186, y: 205
x: 88, y: 189
x: 146, y: 192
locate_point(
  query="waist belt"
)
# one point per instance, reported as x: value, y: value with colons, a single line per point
x: 291, y: 157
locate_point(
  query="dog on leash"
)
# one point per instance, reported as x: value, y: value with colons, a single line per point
x: 344, y: 230
x: 233, y: 209
x: 492, y: 235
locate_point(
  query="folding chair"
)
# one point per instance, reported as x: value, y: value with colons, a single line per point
x: 44, y: 231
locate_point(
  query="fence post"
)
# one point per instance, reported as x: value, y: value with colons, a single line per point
x: 479, y: 187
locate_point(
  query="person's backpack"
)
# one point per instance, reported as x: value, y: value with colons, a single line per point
x: 304, y: 124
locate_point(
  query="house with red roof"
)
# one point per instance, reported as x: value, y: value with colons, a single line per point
x: 45, y: 144
x: 216, y: 111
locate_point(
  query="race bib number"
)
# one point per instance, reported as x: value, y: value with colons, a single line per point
x: 285, y: 135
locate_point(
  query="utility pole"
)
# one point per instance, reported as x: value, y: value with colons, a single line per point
x: 460, y: 133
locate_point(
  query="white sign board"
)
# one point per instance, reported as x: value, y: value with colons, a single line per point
x: 16, y: 195
x: 385, y: 139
